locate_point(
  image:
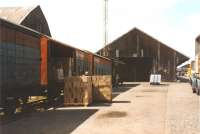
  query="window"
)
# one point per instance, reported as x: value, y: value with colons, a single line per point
x: 117, y: 53
x: 142, y: 53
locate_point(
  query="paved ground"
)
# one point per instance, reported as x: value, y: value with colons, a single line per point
x: 137, y: 108
x: 142, y: 113
x: 183, y: 110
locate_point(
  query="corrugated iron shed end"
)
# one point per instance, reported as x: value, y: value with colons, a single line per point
x: 31, y: 17
x: 181, y: 56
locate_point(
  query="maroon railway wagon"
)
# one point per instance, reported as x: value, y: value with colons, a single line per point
x: 20, y: 59
x: 33, y: 64
x: 101, y: 65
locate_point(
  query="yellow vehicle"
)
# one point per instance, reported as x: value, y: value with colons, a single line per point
x: 189, y: 71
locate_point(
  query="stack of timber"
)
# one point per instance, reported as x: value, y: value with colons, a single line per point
x: 78, y: 90
x: 102, y: 88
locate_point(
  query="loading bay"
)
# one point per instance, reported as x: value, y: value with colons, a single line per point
x: 137, y: 108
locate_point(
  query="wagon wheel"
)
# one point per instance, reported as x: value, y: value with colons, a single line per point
x: 24, y: 104
x: 11, y: 107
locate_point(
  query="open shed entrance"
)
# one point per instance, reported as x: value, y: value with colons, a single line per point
x: 135, y: 69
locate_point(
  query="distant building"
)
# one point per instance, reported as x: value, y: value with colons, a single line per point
x: 143, y: 55
x: 193, y: 66
x: 31, y: 17
x: 197, y: 54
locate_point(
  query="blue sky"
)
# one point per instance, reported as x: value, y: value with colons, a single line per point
x: 80, y: 22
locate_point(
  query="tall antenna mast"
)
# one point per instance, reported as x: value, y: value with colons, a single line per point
x: 105, y: 26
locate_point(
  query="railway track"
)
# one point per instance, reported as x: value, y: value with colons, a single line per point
x: 31, y: 107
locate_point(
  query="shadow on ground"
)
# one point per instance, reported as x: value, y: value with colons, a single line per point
x: 122, y: 88
x: 58, y: 121
x: 107, y: 104
x: 121, y: 101
x: 115, y: 92
x: 160, y: 85
x: 49, y: 122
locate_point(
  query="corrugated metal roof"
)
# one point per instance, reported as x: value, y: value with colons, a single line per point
x: 18, y: 26
x: 147, y: 35
x: 15, y: 14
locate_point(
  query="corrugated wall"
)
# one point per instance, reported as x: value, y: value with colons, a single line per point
x: 20, y: 60
x: 37, y: 21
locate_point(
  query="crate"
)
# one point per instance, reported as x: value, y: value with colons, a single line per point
x: 102, y: 88
x: 78, y: 91
x: 155, y: 79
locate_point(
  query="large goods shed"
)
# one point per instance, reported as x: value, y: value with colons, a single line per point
x: 143, y: 55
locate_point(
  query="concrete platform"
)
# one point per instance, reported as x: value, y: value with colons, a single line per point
x: 137, y: 108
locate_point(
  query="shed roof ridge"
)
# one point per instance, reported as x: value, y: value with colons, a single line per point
x: 27, y: 13
x: 137, y: 29
x: 26, y: 10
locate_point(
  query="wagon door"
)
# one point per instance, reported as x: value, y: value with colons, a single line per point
x: 60, y: 65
